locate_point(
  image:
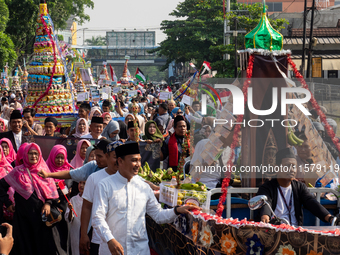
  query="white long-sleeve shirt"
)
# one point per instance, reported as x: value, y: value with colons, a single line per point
x: 119, y: 210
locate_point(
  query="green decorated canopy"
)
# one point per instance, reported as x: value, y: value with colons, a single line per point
x: 264, y: 36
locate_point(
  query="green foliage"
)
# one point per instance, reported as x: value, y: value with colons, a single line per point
x: 7, y: 52
x: 197, y: 33
x: 60, y: 38
x: 96, y: 41
x: 23, y: 15
x: 4, y: 13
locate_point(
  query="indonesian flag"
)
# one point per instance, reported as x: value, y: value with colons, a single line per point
x: 141, y: 84
x: 139, y: 75
x: 63, y: 187
x: 207, y: 65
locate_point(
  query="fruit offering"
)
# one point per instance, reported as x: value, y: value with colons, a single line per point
x: 189, y: 194
x: 158, y: 176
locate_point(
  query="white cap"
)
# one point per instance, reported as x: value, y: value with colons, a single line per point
x: 12, y: 96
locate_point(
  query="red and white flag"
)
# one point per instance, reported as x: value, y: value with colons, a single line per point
x: 192, y: 65
x: 207, y: 65
x: 63, y: 187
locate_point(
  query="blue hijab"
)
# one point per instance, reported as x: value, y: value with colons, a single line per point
x: 142, y: 109
x: 174, y: 111
x: 182, y: 106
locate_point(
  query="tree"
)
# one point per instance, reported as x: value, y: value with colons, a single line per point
x: 7, y: 53
x: 96, y: 41
x: 198, y: 33
x: 23, y: 15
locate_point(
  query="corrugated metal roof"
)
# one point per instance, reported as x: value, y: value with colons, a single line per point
x: 317, y: 32
x: 324, y: 56
x: 321, y: 40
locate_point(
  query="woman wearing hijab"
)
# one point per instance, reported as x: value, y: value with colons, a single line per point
x: 20, y: 154
x: 8, y: 149
x: 129, y: 117
x: 111, y: 131
x: 95, y: 112
x: 78, y: 159
x: 33, y: 198
x: 161, y: 126
x: 5, y: 168
x: 82, y: 128
x: 106, y: 117
x: 90, y: 156
x: 152, y: 133
x: 6, y: 114
x: 57, y: 161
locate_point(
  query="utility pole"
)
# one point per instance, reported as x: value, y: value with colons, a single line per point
x: 302, y: 68
x: 310, y: 51
x: 226, y: 35
x: 235, y: 36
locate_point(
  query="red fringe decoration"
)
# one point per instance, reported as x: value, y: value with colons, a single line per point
x: 315, y: 104
x: 55, y: 61
x: 237, y: 129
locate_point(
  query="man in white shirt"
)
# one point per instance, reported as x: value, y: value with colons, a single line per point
x: 120, y: 203
x: 96, y: 128
x: 90, y: 187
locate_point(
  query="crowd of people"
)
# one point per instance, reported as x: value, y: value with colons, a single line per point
x: 102, y: 212
x: 81, y: 221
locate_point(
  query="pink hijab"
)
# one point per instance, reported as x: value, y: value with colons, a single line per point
x: 77, y: 133
x: 12, y: 154
x: 77, y: 161
x: 19, y: 178
x: 5, y: 166
x: 51, y: 159
x: 20, y: 154
x: 106, y: 113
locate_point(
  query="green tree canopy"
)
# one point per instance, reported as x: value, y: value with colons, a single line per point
x: 197, y: 33
x: 4, y: 13
x: 23, y: 15
x: 7, y: 52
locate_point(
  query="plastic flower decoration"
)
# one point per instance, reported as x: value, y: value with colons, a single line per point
x: 228, y: 244
x: 286, y: 250
x: 254, y: 246
x: 206, y: 237
x: 194, y: 231
x: 314, y: 253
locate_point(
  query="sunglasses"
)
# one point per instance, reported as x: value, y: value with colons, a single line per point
x: 179, y: 112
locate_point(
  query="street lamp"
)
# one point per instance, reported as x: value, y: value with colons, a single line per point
x: 79, y: 37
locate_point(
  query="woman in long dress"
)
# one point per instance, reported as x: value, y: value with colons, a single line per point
x: 56, y: 162
x: 33, y: 198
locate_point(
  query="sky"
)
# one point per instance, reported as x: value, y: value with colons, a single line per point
x: 129, y: 14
